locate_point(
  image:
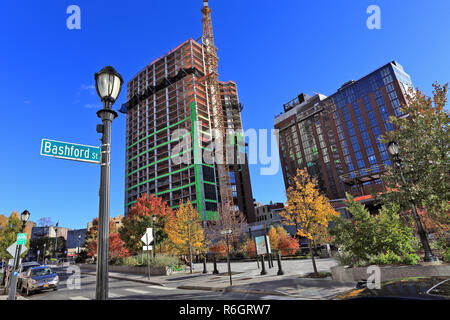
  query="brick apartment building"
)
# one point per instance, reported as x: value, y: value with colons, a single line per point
x: 336, y: 138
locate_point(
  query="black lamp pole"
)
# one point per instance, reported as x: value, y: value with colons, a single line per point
x: 15, y: 270
x: 79, y: 238
x: 429, y: 256
x: 108, y: 84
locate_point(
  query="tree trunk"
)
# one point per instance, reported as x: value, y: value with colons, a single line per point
x: 190, y: 257
x: 312, y: 257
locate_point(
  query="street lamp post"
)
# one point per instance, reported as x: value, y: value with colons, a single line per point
x: 43, y: 253
x: 108, y: 84
x: 79, y: 238
x: 15, y: 270
x: 56, y: 239
x: 394, y: 150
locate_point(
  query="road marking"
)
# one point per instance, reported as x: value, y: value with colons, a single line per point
x: 114, y: 295
x: 79, y: 298
x: 161, y: 287
x: 137, y: 291
x: 269, y: 297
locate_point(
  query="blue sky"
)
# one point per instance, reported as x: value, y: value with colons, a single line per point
x: 273, y: 50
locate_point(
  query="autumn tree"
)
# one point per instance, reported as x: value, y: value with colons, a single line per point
x: 3, y: 220
x: 220, y: 248
x: 307, y: 208
x: 424, y: 143
x: 45, y: 222
x: 184, y: 229
x: 229, y: 218
x: 116, y: 247
x: 280, y: 240
x: 140, y: 217
x: 8, y: 234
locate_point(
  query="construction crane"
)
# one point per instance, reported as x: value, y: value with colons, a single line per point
x: 212, y: 84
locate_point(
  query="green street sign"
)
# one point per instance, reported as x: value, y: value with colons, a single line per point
x: 21, y: 238
x: 70, y: 151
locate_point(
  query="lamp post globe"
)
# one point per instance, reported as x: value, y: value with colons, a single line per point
x: 108, y: 83
x: 25, y: 216
x: 393, y: 148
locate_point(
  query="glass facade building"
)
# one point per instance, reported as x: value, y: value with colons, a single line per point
x: 337, y: 138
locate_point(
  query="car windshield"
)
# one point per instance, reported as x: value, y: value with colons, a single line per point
x: 442, y: 289
x: 25, y: 268
x: 41, y: 272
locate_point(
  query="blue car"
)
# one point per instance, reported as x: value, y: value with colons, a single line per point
x: 39, y: 278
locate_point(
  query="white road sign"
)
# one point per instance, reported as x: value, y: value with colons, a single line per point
x: 147, y: 238
x: 12, y: 249
x: 11, y: 262
x: 147, y: 248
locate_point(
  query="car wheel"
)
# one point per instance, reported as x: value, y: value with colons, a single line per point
x: 55, y: 288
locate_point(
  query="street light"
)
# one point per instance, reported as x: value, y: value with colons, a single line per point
x: 79, y: 238
x: 394, y: 150
x: 25, y: 215
x: 108, y: 84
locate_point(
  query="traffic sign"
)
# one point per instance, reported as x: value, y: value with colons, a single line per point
x: 70, y: 151
x: 147, y: 248
x: 22, y: 238
x: 147, y: 238
x: 11, y: 262
x: 12, y: 249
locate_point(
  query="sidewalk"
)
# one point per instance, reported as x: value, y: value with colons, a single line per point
x: 246, y: 279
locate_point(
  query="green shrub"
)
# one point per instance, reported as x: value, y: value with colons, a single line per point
x: 364, y: 238
x: 158, y: 261
x: 387, y: 258
x: 446, y: 255
x: 411, y: 258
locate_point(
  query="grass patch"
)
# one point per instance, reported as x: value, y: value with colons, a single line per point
x: 319, y: 275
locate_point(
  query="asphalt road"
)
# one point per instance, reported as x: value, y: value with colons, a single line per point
x: 130, y: 290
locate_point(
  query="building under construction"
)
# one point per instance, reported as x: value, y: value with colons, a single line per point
x: 173, y: 94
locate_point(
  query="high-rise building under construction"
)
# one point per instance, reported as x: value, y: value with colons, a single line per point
x: 168, y: 97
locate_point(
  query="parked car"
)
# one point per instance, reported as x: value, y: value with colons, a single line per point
x: 23, y: 270
x: 419, y: 288
x: 39, y: 278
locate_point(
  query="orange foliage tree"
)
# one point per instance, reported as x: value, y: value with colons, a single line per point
x: 306, y: 208
x: 281, y: 240
x: 140, y: 217
x: 184, y: 229
x: 116, y: 248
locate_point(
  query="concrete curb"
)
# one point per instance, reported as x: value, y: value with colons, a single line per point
x: 128, y: 279
x: 231, y: 289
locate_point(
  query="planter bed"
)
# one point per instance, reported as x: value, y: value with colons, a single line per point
x: 390, y: 272
x: 158, y: 271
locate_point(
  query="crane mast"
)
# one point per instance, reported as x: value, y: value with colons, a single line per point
x: 212, y: 78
